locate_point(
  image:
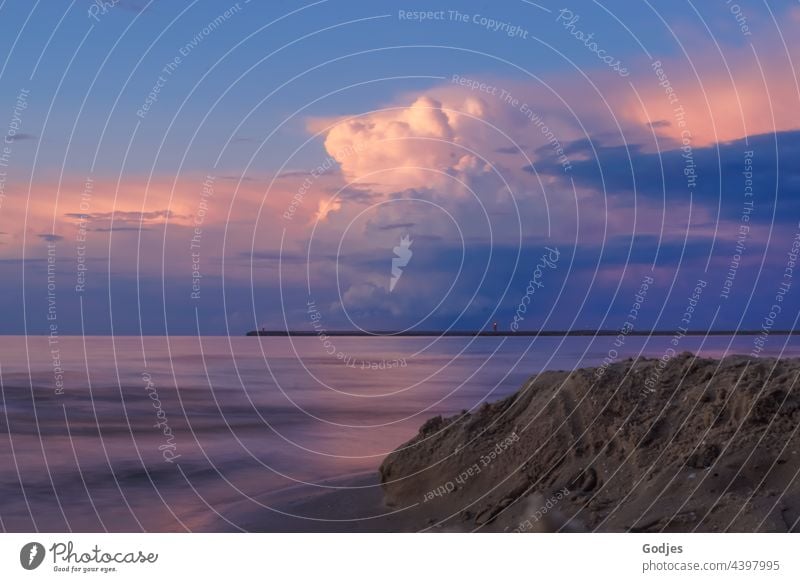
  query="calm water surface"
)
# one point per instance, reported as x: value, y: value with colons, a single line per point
x: 169, y: 434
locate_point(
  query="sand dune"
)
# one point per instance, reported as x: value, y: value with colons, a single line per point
x: 680, y: 444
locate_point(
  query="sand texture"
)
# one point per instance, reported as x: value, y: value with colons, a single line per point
x: 683, y: 444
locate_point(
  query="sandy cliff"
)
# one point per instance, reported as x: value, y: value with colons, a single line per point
x: 679, y: 445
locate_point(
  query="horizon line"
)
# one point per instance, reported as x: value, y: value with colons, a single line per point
x: 521, y: 333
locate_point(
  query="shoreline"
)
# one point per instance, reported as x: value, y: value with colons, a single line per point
x: 541, y: 333
x: 714, y: 448
x: 309, y: 509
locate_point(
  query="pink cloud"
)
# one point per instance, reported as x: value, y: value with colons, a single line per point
x: 410, y: 146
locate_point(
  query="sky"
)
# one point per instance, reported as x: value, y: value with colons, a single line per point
x: 206, y: 167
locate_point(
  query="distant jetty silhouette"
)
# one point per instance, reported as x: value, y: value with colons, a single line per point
x: 540, y: 333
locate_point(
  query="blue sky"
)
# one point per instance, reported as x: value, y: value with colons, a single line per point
x: 259, y: 94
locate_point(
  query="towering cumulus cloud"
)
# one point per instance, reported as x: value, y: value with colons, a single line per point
x: 398, y: 148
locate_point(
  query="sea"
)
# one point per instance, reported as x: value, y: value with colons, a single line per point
x: 238, y: 433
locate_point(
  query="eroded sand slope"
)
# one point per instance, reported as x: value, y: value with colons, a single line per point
x: 710, y: 446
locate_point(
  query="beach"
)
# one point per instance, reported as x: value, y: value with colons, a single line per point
x: 684, y: 444
x: 212, y: 434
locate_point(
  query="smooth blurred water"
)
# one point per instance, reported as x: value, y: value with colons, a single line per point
x: 254, y: 421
